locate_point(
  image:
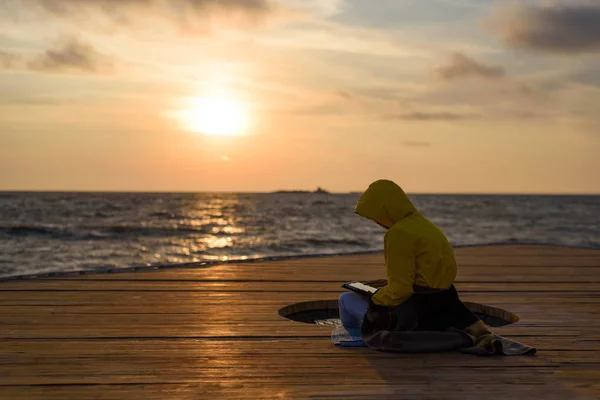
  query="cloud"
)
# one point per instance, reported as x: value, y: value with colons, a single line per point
x: 559, y: 29
x: 461, y: 66
x: 435, y: 116
x: 345, y: 95
x: 71, y: 55
x: 525, y: 89
x: 8, y: 60
x: 33, y: 99
x: 183, y: 13
x: 587, y: 75
x: 529, y: 115
x: 112, y: 7
x: 490, y: 114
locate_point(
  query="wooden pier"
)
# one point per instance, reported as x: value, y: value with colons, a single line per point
x: 193, y: 333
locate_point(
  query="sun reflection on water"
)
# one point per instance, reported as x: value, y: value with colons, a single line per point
x: 213, y: 242
x: 222, y: 227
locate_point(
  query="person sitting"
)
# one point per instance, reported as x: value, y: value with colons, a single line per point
x: 421, y: 269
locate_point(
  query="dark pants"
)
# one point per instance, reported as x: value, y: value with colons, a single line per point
x: 441, y: 310
x: 426, y: 310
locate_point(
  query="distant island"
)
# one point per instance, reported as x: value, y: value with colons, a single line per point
x: 319, y: 191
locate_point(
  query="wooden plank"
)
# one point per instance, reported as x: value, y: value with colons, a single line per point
x: 216, y: 333
x: 501, y: 285
x: 539, y: 386
x: 590, y: 306
x: 190, y: 274
x: 197, y: 299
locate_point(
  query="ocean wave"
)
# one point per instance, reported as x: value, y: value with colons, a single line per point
x: 153, y: 231
x: 68, y: 231
x: 164, y: 214
x: 100, y: 232
x: 335, y: 242
x: 33, y: 230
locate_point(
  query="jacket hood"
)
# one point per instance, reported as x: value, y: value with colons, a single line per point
x: 385, y: 203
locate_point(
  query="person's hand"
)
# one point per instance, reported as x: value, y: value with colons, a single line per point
x: 379, y: 283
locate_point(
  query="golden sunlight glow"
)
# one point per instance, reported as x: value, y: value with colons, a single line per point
x: 218, y: 116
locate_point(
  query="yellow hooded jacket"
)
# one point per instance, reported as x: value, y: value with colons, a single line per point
x: 417, y: 253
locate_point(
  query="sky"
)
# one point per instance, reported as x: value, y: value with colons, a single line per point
x: 441, y: 96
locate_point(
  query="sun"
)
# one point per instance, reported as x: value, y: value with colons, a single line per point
x: 216, y: 116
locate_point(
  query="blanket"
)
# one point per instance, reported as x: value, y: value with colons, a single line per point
x: 427, y: 342
x: 423, y: 326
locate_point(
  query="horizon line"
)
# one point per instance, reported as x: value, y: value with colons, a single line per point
x: 300, y: 191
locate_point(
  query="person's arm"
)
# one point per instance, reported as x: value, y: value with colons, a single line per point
x: 400, y: 264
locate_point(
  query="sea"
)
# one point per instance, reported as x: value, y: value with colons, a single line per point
x: 44, y: 232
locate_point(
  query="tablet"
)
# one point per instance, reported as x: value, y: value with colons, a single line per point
x: 360, y: 288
